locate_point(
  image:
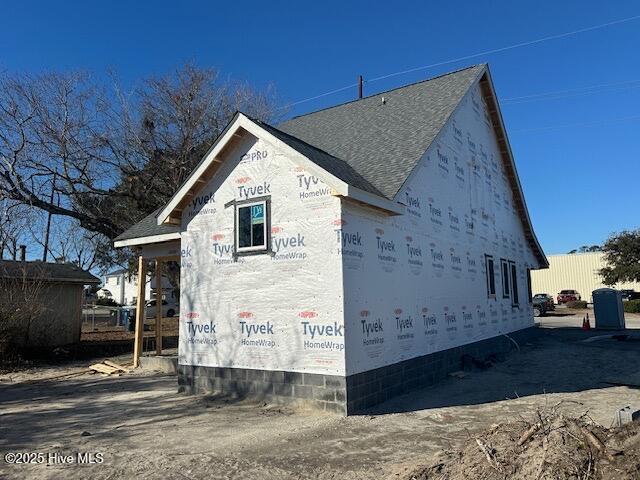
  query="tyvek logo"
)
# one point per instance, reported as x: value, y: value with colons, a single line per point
x: 404, y: 325
x: 430, y: 324
x: 459, y: 170
x: 468, y: 225
x: 323, y: 336
x: 412, y: 203
x: 200, y: 333
x: 457, y: 133
x: 386, y: 251
x: 435, y: 213
x: 186, y: 257
x: 471, y: 264
x: 467, y: 321
x: 443, y: 162
x: 372, y: 334
x: 349, y: 245
x: 482, y: 317
x: 246, y: 192
x: 196, y: 206
x: 255, y: 333
x: 287, y: 247
x: 450, y: 321
x: 222, y: 251
x: 311, y: 187
x: 454, y: 221
x: 455, y: 262
x: 437, y: 259
x: 414, y: 255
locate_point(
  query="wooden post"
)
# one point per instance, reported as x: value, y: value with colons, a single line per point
x: 158, y: 307
x: 137, y: 342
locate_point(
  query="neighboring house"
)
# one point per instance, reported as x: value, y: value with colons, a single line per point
x: 354, y: 253
x: 52, y: 292
x: 575, y: 271
x: 122, y: 287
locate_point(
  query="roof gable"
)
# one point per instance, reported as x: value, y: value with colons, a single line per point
x: 384, y: 140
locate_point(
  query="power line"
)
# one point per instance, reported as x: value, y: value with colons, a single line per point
x: 574, y: 92
x: 582, y: 124
x: 474, y: 55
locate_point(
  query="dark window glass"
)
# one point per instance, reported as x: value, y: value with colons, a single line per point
x: 244, y: 227
x: 514, y: 284
x: 491, y: 276
x: 251, y: 226
x: 505, y: 279
x: 529, y: 285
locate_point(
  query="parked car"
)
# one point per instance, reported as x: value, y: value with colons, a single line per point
x: 568, y: 296
x: 629, y: 294
x: 168, y: 310
x: 540, y: 306
x: 548, y: 298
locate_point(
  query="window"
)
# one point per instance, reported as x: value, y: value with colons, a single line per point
x: 252, y: 226
x: 529, y: 285
x: 514, y: 284
x: 504, y: 267
x: 491, y: 277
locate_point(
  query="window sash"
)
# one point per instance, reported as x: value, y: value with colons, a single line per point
x: 264, y: 244
x: 505, y: 274
x: 491, y: 276
x: 514, y: 284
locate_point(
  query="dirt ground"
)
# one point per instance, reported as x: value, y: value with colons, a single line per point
x: 144, y: 429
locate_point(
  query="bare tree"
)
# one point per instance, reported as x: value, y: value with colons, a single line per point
x: 111, y: 156
x: 15, y: 220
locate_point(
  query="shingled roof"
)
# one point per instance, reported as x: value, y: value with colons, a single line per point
x: 47, y: 272
x: 383, y: 140
x: 147, y: 227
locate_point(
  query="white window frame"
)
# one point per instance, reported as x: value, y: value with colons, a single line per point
x: 258, y: 248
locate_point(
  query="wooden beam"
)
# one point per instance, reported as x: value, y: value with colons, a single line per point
x: 158, y: 307
x: 137, y: 341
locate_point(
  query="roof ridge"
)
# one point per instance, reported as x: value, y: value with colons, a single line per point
x: 412, y: 84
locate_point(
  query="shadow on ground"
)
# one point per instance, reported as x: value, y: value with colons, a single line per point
x: 557, y: 361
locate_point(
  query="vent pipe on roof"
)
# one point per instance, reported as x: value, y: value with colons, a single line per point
x: 23, y: 253
x: 359, y: 86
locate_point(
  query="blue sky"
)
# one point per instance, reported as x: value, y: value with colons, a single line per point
x: 580, y: 175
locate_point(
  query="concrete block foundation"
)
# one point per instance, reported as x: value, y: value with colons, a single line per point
x: 344, y: 395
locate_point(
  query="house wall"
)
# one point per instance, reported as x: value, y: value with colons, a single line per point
x: 280, y: 312
x: 416, y: 284
x: 575, y: 272
x: 59, y: 320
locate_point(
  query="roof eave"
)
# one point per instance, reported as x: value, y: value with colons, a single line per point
x: 139, y: 241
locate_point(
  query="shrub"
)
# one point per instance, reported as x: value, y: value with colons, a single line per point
x: 107, y: 302
x: 577, y: 304
x: 632, y: 306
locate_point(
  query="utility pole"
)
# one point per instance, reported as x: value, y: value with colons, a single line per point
x: 360, y: 86
x: 48, y: 229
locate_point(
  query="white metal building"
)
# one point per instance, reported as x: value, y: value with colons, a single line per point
x: 576, y: 271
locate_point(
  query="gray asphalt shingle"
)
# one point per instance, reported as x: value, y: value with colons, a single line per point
x: 383, y: 141
x: 47, y: 272
x: 147, y: 227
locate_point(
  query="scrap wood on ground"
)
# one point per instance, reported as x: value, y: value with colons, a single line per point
x: 550, y: 446
x: 108, y: 368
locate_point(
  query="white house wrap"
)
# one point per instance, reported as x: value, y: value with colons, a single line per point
x: 352, y: 240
